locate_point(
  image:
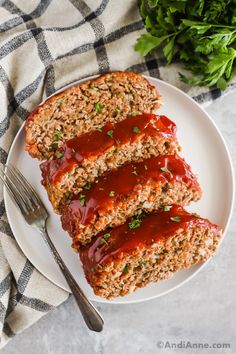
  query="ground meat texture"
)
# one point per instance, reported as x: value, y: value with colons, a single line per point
x: 126, y: 191
x: 109, y: 98
x: 126, y: 258
x: 82, y: 159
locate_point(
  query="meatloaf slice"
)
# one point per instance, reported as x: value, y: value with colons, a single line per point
x: 109, y: 98
x: 121, y: 260
x: 126, y: 191
x: 82, y: 159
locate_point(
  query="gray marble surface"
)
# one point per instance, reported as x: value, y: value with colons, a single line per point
x: 201, y: 311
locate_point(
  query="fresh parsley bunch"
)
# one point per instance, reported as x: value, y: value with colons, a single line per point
x: 201, y: 34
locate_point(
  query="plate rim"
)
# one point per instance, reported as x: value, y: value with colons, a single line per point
x: 232, y: 201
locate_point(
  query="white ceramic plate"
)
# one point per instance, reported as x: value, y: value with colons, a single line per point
x: 203, y: 147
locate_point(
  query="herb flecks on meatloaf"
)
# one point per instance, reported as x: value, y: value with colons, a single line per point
x: 79, y: 161
x: 121, y: 260
x: 109, y: 98
x: 126, y: 191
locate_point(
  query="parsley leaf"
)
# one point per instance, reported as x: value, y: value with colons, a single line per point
x: 54, y: 146
x: 98, y: 107
x: 59, y: 154
x: 200, y: 34
x: 175, y: 218
x: 57, y: 135
x: 110, y: 133
x: 147, y: 42
x: 102, y: 240
x: 82, y: 199
x: 165, y: 169
x: 126, y: 268
x: 168, y: 50
x: 136, y: 130
x: 166, y: 207
x: 135, y: 222
x: 87, y: 185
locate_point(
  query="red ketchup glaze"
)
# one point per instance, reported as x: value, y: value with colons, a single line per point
x: 95, y: 143
x: 155, y: 227
x: 119, y: 183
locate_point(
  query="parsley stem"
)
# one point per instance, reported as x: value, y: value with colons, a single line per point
x: 206, y: 24
x: 172, y: 34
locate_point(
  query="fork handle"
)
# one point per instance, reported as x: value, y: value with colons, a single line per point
x: 91, y: 316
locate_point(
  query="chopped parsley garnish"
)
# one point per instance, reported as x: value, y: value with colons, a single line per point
x: 136, y: 130
x: 63, y: 101
x: 69, y: 199
x: 98, y: 107
x: 82, y: 199
x: 115, y: 112
x: 102, y: 240
x: 111, y: 193
x: 126, y: 268
x: 165, y: 169
x: 166, y: 207
x: 57, y: 135
x: 135, y: 222
x: 59, y: 154
x: 142, y: 214
x: 196, y: 215
x: 175, y: 218
x: 54, y: 146
x: 87, y: 185
x: 110, y: 133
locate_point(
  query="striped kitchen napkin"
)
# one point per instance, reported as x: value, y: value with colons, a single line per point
x: 44, y: 46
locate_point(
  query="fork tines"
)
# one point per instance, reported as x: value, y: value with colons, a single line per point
x: 19, y: 189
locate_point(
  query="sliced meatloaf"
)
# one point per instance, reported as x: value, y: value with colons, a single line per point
x: 126, y: 191
x: 121, y: 260
x: 82, y: 159
x: 109, y: 98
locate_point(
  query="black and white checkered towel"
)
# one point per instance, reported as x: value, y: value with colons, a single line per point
x: 44, y: 46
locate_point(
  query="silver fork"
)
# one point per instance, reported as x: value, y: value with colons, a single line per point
x: 36, y: 216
